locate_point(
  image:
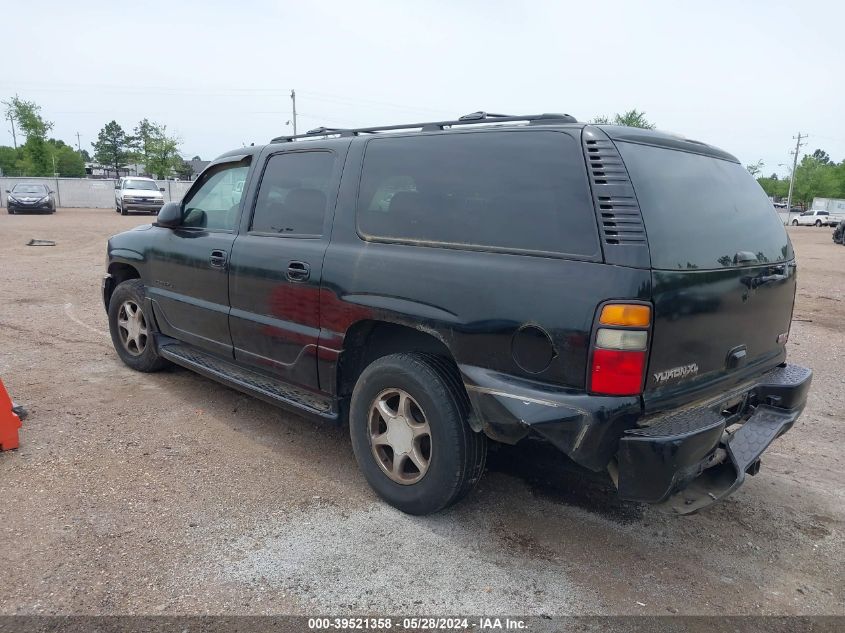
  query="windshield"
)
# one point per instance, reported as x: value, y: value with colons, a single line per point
x: 702, y: 212
x: 37, y: 189
x: 141, y: 184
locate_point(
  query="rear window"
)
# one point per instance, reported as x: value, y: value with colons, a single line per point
x: 513, y: 191
x: 700, y: 211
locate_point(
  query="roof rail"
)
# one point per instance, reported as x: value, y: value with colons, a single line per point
x: 467, y: 119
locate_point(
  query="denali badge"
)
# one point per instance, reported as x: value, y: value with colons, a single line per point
x: 676, y: 372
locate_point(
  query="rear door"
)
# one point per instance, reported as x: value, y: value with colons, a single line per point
x: 277, y: 261
x: 723, y: 273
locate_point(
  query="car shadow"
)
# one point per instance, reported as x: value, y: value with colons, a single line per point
x: 553, y: 477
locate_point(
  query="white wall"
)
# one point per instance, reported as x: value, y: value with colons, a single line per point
x: 89, y: 192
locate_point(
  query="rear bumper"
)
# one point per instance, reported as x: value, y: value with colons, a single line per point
x: 692, y: 458
x: 686, y: 459
x: 586, y: 428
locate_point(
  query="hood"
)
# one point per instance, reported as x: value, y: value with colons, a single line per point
x: 143, y: 193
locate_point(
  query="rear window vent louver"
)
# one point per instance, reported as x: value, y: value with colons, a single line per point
x: 620, y: 220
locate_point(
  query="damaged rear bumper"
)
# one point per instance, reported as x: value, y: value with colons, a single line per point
x: 685, y: 459
x: 690, y: 459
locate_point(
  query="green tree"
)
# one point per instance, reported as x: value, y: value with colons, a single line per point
x: 774, y: 186
x: 8, y: 160
x: 163, y: 157
x: 755, y: 168
x: 196, y: 158
x: 812, y: 179
x: 85, y: 156
x: 141, y: 142
x: 68, y: 161
x: 821, y: 156
x: 184, y: 170
x: 112, y: 147
x: 631, y: 118
x: 35, y: 159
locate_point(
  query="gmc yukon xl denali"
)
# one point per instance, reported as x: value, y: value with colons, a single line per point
x: 623, y: 294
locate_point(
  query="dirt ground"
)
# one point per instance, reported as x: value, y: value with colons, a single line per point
x: 168, y: 493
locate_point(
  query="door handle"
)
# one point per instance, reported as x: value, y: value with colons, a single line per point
x: 298, y: 271
x: 218, y: 259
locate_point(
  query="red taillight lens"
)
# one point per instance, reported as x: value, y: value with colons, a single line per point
x: 617, y: 373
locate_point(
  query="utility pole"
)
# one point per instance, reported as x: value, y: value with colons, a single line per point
x: 78, y: 144
x: 14, y: 138
x: 792, y: 176
x: 293, y: 100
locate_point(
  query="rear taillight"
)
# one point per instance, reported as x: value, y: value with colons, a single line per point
x: 620, y: 350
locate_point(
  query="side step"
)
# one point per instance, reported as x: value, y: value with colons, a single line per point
x: 268, y: 389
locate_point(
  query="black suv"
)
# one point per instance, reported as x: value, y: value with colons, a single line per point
x: 624, y: 294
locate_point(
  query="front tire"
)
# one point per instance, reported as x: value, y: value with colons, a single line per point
x: 795, y: 223
x: 130, y: 328
x: 409, y: 430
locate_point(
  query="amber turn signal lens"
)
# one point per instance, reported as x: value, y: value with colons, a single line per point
x: 625, y: 314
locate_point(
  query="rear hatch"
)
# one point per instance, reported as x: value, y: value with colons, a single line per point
x: 723, y: 273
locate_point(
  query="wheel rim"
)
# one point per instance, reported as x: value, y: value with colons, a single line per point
x: 400, y: 436
x: 132, y: 328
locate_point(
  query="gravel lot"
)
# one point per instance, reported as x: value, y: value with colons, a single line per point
x: 168, y: 493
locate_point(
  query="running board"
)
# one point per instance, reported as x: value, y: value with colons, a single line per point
x: 273, y: 391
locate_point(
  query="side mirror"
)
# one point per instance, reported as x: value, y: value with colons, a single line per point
x: 161, y: 189
x: 7, y: 191
x: 51, y: 192
x: 170, y: 215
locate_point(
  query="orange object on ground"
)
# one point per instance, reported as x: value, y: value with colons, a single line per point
x: 9, y: 422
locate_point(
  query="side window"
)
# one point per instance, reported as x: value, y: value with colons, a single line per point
x: 294, y: 194
x: 214, y: 205
x: 523, y: 191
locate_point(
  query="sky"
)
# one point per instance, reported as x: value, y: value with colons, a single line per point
x: 746, y: 76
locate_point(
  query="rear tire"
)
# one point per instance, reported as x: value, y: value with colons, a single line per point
x: 795, y: 223
x: 391, y: 441
x: 131, y: 329
x: 818, y: 223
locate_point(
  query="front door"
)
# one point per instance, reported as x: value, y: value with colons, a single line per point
x: 276, y: 266
x: 189, y: 266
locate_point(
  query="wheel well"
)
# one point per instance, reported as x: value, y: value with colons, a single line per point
x: 119, y: 273
x: 367, y: 341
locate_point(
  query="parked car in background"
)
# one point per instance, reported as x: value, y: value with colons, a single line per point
x: 456, y: 282
x: 137, y: 194
x: 34, y: 198
x: 839, y: 233
x: 812, y: 218
x: 834, y: 206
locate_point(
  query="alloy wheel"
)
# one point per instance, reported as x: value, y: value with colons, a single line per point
x: 400, y: 436
x: 132, y: 328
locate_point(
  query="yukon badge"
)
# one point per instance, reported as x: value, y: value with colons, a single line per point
x: 676, y: 372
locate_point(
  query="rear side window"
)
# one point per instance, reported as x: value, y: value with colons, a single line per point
x: 515, y: 191
x: 293, y: 194
x: 700, y: 211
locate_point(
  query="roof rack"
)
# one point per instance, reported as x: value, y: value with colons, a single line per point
x: 467, y: 119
